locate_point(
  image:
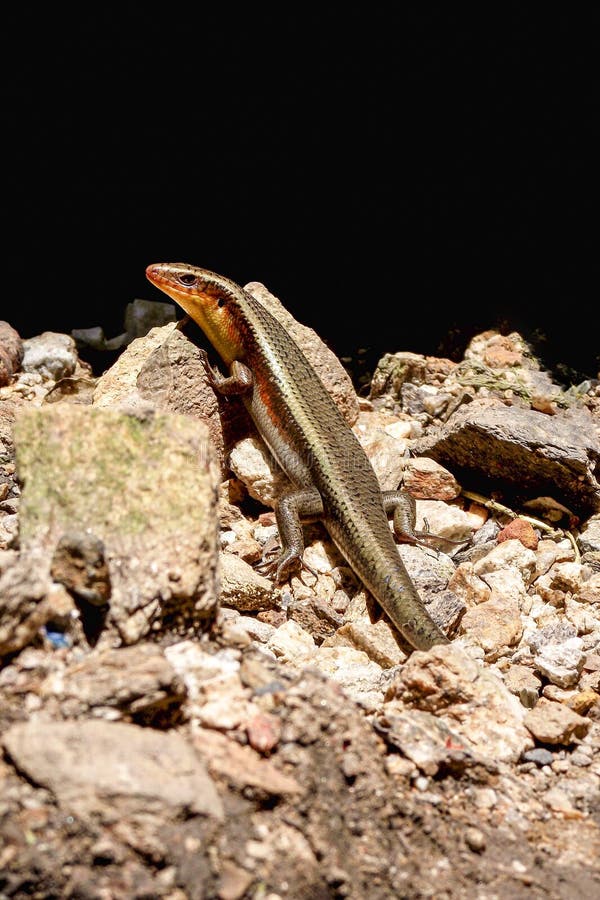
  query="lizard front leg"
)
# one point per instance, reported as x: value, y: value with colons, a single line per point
x: 238, y: 382
x: 290, y: 511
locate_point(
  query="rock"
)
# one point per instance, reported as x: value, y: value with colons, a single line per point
x: 315, y: 616
x: 251, y: 461
x: 429, y: 571
x: 559, y: 802
x: 424, y: 739
x: 523, y: 450
x: 568, y: 577
x: 539, y: 755
x: 493, y: 624
x: 378, y: 639
x: 72, y: 389
x: 520, y: 530
x: 140, y: 317
x: 588, y: 539
x: 472, y: 702
x: 445, y: 520
x: 512, y: 554
x: 137, y: 683
x: 216, y: 697
x: 548, y: 552
x: 164, y: 371
x: 520, y: 680
x: 506, y: 365
x: 242, y: 767
x: 446, y: 609
x: 468, y: 586
x: 553, y: 723
x: 395, y: 369
x: 324, y: 361
x: 475, y: 840
x: 79, y: 563
x: 385, y: 452
x: 27, y: 602
x: 94, y: 767
x: 558, y: 654
x: 51, y: 355
x: 264, y: 732
x: 292, y: 644
x: 242, y: 587
x: 425, y: 479
x: 257, y: 630
x: 425, y: 402
x: 583, y: 701
x: 146, y: 488
x: 233, y: 882
x: 589, y: 592
x: 360, y: 678
x: 11, y: 352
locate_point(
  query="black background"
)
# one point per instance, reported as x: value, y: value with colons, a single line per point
x: 401, y: 179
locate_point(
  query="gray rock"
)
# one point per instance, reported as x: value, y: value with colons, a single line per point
x: 447, y: 609
x: 522, y: 449
x: 140, y: 317
x: 539, y: 755
x: 91, y: 767
x: 589, y: 536
x: 558, y: 653
x: 51, y: 355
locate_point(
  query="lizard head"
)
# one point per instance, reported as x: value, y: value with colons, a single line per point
x: 209, y: 299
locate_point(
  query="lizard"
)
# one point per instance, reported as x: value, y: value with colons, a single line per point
x: 307, y: 434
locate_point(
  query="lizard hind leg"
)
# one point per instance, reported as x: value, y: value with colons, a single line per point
x: 404, y: 509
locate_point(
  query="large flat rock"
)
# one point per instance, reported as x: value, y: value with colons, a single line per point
x: 524, y: 451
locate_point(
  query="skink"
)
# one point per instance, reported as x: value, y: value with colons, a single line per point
x: 308, y: 436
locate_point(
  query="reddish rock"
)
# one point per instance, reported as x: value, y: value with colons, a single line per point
x: 263, y: 733
x: 520, y: 530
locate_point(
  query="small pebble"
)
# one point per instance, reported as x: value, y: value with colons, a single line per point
x: 475, y: 840
x: 421, y: 783
x: 580, y: 759
x: 539, y: 756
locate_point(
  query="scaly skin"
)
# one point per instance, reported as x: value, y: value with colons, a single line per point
x: 308, y: 436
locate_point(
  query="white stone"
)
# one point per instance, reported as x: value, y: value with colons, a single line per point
x: 508, y: 553
x: 51, y: 354
x: 257, y: 630
x: 360, y: 677
x: 561, y: 663
x: 292, y: 644
x: 446, y: 520
x: 251, y: 461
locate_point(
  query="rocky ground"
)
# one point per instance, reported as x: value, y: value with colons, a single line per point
x: 174, y: 725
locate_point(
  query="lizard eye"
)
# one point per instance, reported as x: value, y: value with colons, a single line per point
x: 188, y: 279
x: 221, y: 302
